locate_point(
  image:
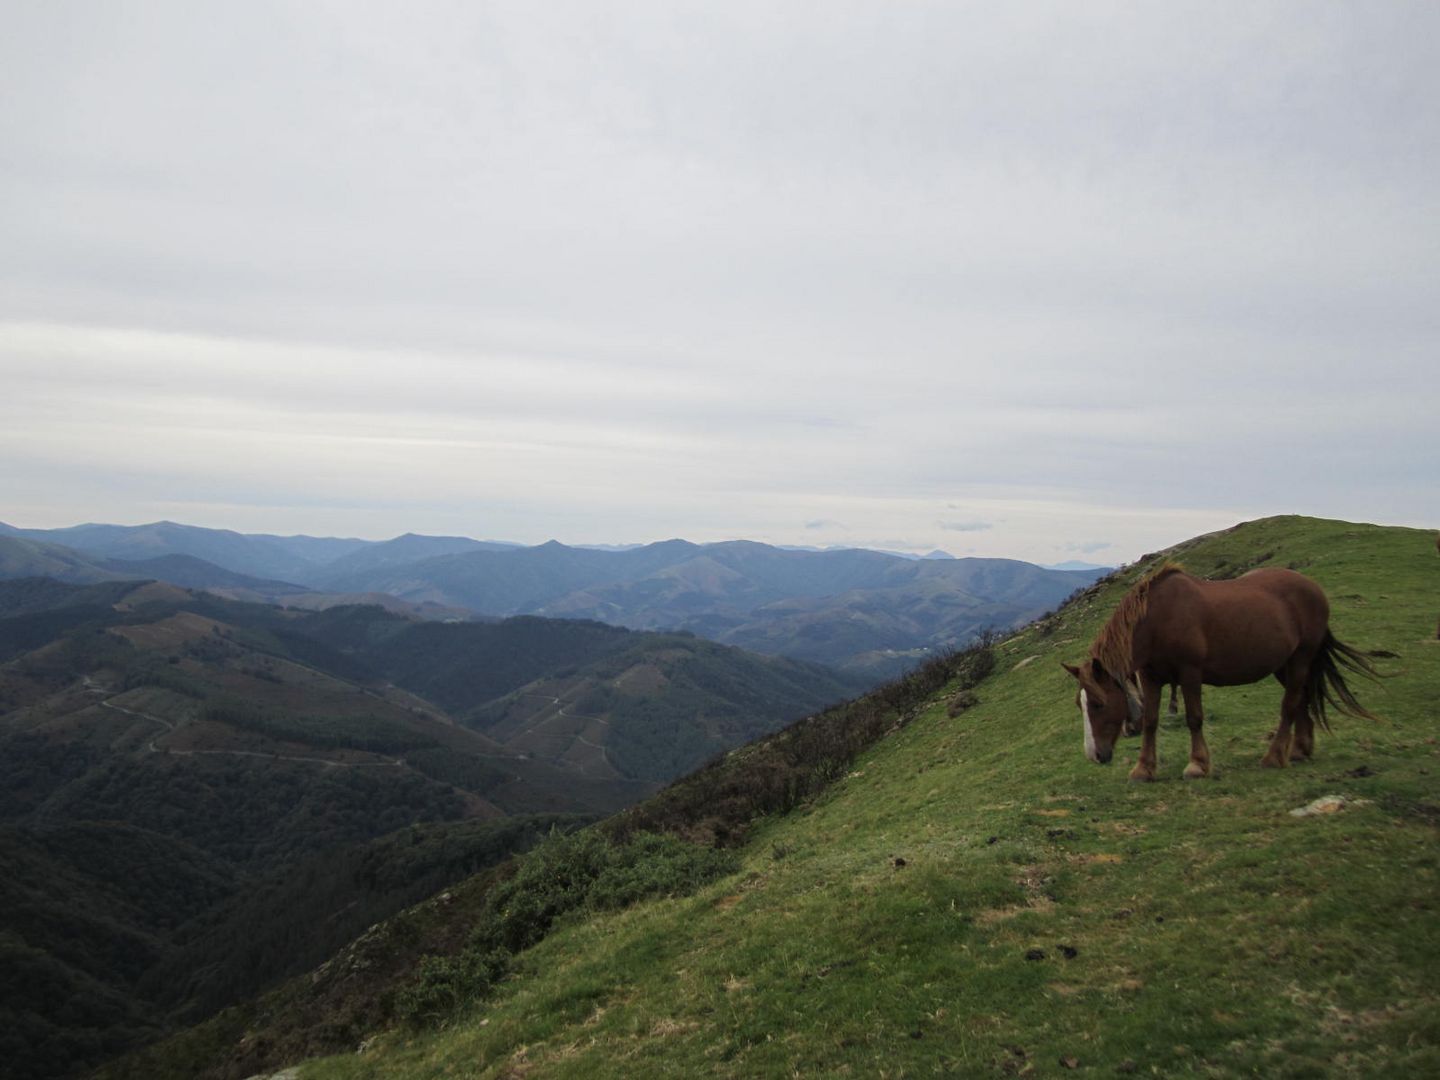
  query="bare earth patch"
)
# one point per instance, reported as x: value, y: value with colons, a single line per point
x: 667, y: 1026
x: 1101, y: 857
x: 1033, y: 880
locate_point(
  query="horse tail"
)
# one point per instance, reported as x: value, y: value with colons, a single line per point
x: 1326, y: 685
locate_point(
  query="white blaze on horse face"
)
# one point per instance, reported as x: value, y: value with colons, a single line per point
x: 1089, y: 727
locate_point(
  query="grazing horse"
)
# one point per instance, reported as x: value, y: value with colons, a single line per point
x: 1174, y: 628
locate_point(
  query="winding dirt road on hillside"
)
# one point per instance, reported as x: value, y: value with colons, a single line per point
x: 560, y: 711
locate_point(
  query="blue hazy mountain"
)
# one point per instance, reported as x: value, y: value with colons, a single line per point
x: 873, y: 613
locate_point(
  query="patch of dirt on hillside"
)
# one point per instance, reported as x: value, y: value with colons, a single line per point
x: 666, y: 1026
x: 1034, y: 880
x: 157, y: 592
x: 1098, y: 858
x: 1122, y: 828
x: 641, y: 679
x: 167, y: 633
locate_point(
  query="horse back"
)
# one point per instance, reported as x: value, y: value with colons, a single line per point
x: 1235, y: 631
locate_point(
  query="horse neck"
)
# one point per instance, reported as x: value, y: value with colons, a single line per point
x: 1115, y: 652
x: 1139, y: 647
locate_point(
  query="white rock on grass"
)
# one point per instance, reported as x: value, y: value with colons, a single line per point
x: 1327, y: 804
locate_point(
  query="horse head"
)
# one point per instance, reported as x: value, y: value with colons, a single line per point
x: 1108, y: 706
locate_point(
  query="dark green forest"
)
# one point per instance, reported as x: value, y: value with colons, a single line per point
x: 200, y: 797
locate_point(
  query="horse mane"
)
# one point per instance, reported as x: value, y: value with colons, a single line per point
x: 1114, y: 644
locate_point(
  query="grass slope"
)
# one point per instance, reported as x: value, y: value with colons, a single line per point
x: 974, y: 897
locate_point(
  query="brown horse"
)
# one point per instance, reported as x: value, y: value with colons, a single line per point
x: 1174, y: 628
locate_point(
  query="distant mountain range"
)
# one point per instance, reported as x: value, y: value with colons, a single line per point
x: 868, y: 612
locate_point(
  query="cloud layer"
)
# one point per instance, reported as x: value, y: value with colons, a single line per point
x: 1012, y: 277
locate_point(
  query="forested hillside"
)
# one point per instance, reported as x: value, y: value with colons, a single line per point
x: 199, y: 797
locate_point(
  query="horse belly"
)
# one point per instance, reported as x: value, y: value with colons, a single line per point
x: 1248, y: 647
x: 1241, y: 670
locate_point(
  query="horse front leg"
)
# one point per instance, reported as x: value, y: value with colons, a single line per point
x: 1144, y: 769
x: 1195, y: 718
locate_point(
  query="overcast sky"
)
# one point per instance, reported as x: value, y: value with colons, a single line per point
x: 1039, y: 280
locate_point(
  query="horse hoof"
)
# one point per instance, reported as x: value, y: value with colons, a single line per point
x: 1196, y: 772
x: 1270, y: 762
x: 1142, y: 777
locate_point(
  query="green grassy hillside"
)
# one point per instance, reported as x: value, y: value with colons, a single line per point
x: 973, y: 897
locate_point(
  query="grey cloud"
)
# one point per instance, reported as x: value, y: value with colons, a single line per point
x: 965, y: 526
x: 576, y: 270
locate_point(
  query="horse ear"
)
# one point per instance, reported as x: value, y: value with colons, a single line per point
x: 1071, y: 668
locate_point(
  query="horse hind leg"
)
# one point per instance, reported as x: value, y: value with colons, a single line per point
x: 1292, y: 715
x: 1302, y: 746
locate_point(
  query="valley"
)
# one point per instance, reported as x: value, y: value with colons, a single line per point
x: 258, y: 746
